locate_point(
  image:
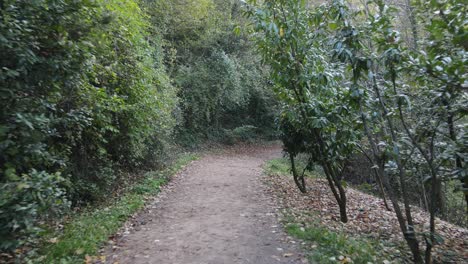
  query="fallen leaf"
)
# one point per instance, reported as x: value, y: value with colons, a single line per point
x: 88, y: 259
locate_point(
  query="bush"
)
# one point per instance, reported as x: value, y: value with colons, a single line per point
x: 84, y: 95
x: 25, y: 199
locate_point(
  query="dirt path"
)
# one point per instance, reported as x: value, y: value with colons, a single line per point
x: 215, y: 212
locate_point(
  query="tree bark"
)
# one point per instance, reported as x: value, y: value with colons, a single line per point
x: 414, y: 25
x: 299, y: 180
x: 340, y: 194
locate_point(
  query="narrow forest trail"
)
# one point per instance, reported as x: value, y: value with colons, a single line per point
x: 216, y: 211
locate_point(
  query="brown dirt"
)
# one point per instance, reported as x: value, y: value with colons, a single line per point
x: 216, y: 211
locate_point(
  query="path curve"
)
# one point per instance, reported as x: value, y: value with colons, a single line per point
x: 216, y: 211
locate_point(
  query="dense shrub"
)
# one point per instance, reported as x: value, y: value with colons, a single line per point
x: 88, y: 90
x: 23, y: 200
x: 83, y: 91
x: 222, y: 83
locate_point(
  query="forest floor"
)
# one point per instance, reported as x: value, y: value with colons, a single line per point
x: 372, y: 234
x: 217, y: 210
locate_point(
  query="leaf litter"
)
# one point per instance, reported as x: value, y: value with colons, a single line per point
x: 368, y: 218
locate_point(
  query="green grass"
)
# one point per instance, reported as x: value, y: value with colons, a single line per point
x: 325, y: 246
x: 282, y: 166
x: 85, y: 233
x: 278, y: 166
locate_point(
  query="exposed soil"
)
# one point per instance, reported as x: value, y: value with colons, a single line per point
x: 216, y: 211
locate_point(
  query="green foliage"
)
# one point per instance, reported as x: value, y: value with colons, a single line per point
x: 244, y: 133
x: 342, y: 72
x: 87, y: 92
x: 240, y: 134
x: 135, y: 103
x: 87, y: 230
x: 222, y: 84
x: 317, y: 116
x: 279, y: 166
x: 23, y: 200
x: 282, y: 166
x: 83, y: 93
x: 42, y: 52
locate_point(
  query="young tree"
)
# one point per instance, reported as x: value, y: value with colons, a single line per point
x: 332, y: 67
x: 317, y: 119
x: 413, y: 121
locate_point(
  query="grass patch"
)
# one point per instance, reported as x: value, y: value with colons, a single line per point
x: 86, y: 231
x: 325, y: 246
x: 282, y: 167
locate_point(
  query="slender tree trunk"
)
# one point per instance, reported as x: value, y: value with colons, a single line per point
x: 409, y: 233
x: 428, y: 156
x: 299, y: 180
x: 453, y: 137
x: 340, y: 194
x: 423, y: 191
x: 431, y: 240
x: 378, y: 178
x: 299, y: 93
x: 342, y: 204
x: 373, y: 160
x: 410, y: 238
x: 440, y: 207
x: 414, y: 25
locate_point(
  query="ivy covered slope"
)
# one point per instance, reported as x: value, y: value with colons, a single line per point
x: 84, y: 92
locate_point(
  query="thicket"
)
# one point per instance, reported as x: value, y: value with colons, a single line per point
x: 93, y: 88
x: 348, y: 83
x: 84, y: 93
x: 223, y: 88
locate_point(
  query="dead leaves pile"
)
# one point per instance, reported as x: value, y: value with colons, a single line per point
x: 367, y: 217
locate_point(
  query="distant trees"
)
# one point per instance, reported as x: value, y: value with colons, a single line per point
x: 343, y: 74
x: 222, y: 84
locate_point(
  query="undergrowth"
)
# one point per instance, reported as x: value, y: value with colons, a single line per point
x: 321, y: 244
x: 326, y: 246
x: 282, y: 166
x: 85, y: 232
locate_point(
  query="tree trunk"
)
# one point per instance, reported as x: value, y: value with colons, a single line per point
x: 438, y: 195
x: 409, y: 235
x: 299, y: 180
x: 342, y: 205
x: 340, y: 194
x: 414, y: 25
x: 453, y: 137
x: 378, y: 178
x: 343, y: 214
x: 374, y: 158
x: 407, y: 229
